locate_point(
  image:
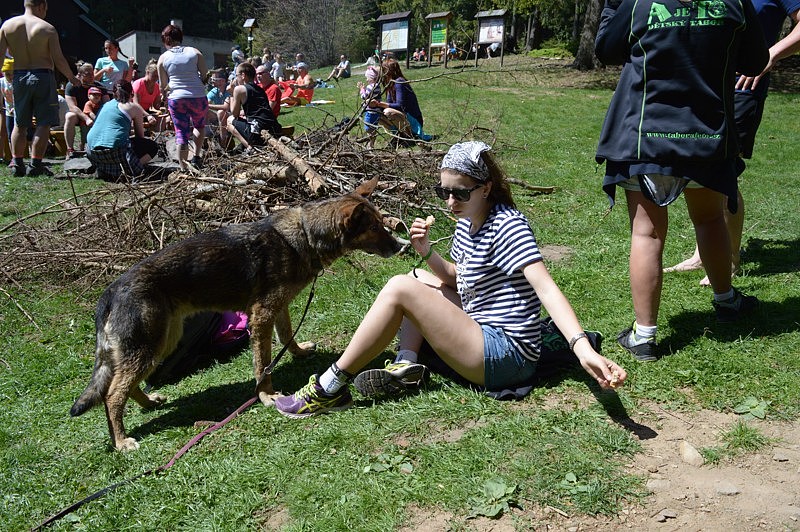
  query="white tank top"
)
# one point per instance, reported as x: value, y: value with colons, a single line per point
x: 184, y: 78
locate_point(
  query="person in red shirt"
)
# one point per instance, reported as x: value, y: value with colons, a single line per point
x: 273, y: 90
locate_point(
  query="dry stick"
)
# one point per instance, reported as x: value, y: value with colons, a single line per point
x: 315, y: 181
x: 534, y: 188
x: 25, y: 312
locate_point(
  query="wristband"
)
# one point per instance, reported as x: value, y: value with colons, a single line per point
x: 575, y: 339
x: 430, y: 252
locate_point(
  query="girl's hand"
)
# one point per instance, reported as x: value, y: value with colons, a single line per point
x: 607, y: 373
x: 419, y: 235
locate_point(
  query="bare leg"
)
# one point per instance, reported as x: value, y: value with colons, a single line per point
x: 19, y: 141
x: 456, y: 337
x: 735, y: 225
x: 199, y: 135
x: 649, y: 224
x: 409, y: 336
x: 70, y: 122
x: 706, y: 211
x: 40, y: 139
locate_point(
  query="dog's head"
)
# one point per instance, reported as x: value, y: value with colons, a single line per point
x: 362, y: 224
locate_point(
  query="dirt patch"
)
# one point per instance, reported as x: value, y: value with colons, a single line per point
x: 757, y: 491
x: 555, y: 252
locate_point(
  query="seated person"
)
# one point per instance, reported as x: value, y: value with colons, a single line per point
x: 250, y: 99
x: 93, y: 104
x: 76, y: 98
x: 304, y: 85
x: 342, y: 70
x: 219, y: 105
x: 273, y: 90
x: 146, y: 91
x: 109, y: 146
x: 401, y: 109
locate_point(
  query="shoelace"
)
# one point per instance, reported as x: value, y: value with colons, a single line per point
x: 307, y: 390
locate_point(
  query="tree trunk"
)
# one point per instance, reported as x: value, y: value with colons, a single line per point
x: 535, y: 36
x: 585, y: 58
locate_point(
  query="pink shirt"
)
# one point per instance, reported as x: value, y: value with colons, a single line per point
x: 146, y: 99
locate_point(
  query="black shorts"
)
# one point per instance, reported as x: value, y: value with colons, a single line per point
x: 747, y: 111
x: 246, y: 131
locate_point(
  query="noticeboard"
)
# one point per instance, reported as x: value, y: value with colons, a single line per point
x: 490, y: 30
x: 438, y: 32
x: 394, y: 35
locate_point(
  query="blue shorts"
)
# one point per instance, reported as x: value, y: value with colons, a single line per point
x: 504, y: 366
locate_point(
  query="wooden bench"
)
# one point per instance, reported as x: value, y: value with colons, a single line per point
x: 58, y: 142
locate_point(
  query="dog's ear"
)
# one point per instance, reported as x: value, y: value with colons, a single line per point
x: 366, y: 188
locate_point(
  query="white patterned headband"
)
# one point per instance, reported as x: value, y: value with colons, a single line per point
x: 465, y: 158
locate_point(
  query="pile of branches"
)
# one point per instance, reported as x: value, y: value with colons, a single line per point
x: 95, y: 235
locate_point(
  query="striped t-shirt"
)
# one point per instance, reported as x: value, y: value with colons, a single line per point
x: 489, y: 276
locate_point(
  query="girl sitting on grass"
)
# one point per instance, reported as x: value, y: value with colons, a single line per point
x: 480, y: 313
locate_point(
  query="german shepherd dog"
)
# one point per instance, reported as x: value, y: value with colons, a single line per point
x: 256, y: 267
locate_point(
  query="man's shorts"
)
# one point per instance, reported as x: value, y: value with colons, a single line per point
x: 249, y: 132
x: 504, y: 366
x: 35, y: 97
x: 747, y: 110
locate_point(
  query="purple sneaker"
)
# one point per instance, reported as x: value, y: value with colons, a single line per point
x: 311, y: 400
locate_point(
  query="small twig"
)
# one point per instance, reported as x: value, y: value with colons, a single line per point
x: 21, y: 309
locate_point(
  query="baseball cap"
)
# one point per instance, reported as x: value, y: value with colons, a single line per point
x: 8, y: 65
x: 95, y: 90
x: 302, y: 65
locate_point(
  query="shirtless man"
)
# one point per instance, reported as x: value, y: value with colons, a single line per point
x: 304, y: 85
x: 36, y: 50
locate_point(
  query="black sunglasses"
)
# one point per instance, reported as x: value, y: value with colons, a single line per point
x: 460, y: 194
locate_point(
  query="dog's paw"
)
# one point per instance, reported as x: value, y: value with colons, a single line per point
x: 304, y: 349
x: 268, y: 399
x: 128, y: 444
x: 155, y: 400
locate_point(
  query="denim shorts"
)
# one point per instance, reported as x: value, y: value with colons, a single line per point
x: 504, y: 366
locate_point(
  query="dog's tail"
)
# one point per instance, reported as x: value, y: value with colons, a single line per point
x: 94, y: 392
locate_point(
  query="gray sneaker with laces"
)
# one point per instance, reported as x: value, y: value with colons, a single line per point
x: 645, y: 352
x: 394, y: 379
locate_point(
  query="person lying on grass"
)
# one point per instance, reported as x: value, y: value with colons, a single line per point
x: 480, y: 314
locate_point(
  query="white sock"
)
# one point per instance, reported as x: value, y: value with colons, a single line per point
x: 724, y: 297
x: 641, y: 333
x: 406, y: 355
x: 330, y: 382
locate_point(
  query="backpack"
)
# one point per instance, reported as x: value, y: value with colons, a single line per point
x: 208, y: 337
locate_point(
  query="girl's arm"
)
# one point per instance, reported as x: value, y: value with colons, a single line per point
x: 599, y: 367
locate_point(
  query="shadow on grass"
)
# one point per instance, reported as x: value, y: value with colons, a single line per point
x: 769, y: 319
x: 217, y: 402
x: 763, y: 257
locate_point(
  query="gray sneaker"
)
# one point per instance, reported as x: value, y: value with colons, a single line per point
x: 645, y: 352
x: 734, y: 308
x: 394, y: 379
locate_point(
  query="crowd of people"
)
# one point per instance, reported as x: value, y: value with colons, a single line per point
x: 481, y: 311
x: 175, y: 92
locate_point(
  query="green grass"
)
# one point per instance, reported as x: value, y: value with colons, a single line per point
x: 370, y: 467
